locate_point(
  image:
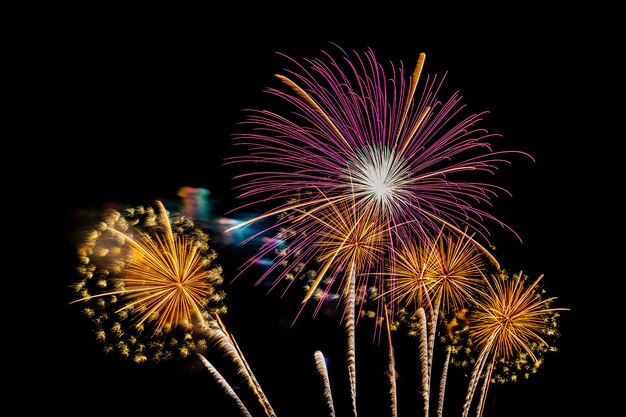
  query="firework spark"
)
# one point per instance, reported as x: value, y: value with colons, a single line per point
x: 348, y: 241
x: 456, y: 274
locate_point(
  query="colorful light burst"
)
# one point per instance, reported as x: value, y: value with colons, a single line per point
x: 511, y: 317
x: 510, y: 328
x: 445, y: 274
x: 357, y: 133
x: 146, y: 277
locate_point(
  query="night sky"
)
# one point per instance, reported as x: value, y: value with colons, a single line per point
x: 143, y: 102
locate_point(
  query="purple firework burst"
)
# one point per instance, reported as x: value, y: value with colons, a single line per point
x: 358, y: 134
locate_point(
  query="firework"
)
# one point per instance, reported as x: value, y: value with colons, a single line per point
x: 144, y: 279
x: 371, y: 167
x: 454, y: 269
x: 149, y: 285
x: 347, y: 241
x: 360, y: 133
x: 510, y: 317
x: 443, y: 274
x: 511, y: 327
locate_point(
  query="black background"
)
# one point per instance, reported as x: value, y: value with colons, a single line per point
x: 133, y: 104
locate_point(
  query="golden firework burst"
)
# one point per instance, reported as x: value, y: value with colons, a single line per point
x: 144, y: 273
x: 444, y: 273
x: 511, y: 317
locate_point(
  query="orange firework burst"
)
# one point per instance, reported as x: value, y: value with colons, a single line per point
x: 349, y: 241
x: 511, y: 322
x: 510, y: 318
x: 346, y: 244
x: 443, y: 274
x: 457, y: 265
x: 145, y: 267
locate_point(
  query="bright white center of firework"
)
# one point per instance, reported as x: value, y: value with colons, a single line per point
x: 381, y: 175
x: 377, y: 181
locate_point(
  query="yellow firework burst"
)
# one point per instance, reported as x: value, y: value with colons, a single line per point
x: 344, y: 242
x: 410, y: 275
x: 511, y: 317
x: 143, y: 273
x: 348, y: 238
x: 510, y: 327
x: 442, y: 274
x: 456, y: 271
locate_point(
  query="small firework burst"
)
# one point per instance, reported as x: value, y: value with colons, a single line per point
x: 509, y: 329
x: 444, y: 274
x: 145, y: 280
x: 514, y: 318
x: 514, y: 322
x: 347, y: 244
